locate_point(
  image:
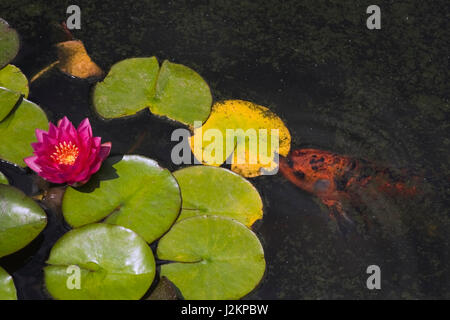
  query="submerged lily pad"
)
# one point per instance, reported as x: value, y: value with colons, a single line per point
x: 7, y: 288
x: 17, y: 128
x: 174, y: 91
x: 75, y: 61
x: 3, y: 179
x: 9, y: 43
x: 217, y: 191
x: 134, y: 192
x: 165, y: 290
x: 212, y: 258
x: 243, y: 130
x: 21, y: 220
x: 113, y: 262
x: 13, y: 79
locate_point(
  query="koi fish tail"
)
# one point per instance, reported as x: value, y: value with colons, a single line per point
x: 402, y: 189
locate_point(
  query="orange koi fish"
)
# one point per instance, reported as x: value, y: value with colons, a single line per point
x: 337, y: 179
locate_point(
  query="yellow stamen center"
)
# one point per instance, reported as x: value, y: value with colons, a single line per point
x: 65, y: 153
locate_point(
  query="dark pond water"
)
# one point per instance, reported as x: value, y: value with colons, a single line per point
x: 379, y: 95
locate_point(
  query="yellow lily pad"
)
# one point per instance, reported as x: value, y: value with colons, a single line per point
x: 75, y: 61
x: 251, y: 134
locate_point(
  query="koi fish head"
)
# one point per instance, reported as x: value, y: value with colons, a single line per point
x: 304, y: 159
x: 311, y: 161
x: 314, y: 170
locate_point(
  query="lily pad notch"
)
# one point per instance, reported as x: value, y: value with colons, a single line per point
x: 9, y: 43
x: 258, y: 136
x: 3, y: 179
x: 19, y: 119
x: 172, y: 90
x: 208, y: 190
x: 212, y: 257
x: 114, y: 263
x: 21, y: 220
x: 7, y: 287
x: 131, y: 191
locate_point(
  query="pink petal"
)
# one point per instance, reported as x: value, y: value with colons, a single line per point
x: 39, y: 134
x: 63, y: 123
x: 49, y: 142
x: 91, y: 152
x: 82, y: 176
x: 53, y: 131
x: 73, y: 134
x: 96, y: 142
x: 65, y: 128
x: 47, y: 164
x: 64, y: 136
x: 105, y: 150
x: 85, y: 137
x: 38, y: 147
x: 53, y: 178
x: 85, y: 129
x: 31, y: 163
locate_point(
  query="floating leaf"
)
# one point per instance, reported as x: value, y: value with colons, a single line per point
x: 113, y: 261
x: 9, y: 43
x: 17, y: 129
x: 134, y: 192
x: 174, y: 91
x: 216, y: 191
x: 252, y: 144
x: 21, y: 220
x: 75, y: 61
x: 8, y: 99
x: 7, y: 288
x: 13, y: 79
x: 181, y: 94
x: 213, y: 258
x: 127, y: 88
x: 3, y: 179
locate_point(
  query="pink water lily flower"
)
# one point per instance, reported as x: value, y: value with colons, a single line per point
x: 65, y: 154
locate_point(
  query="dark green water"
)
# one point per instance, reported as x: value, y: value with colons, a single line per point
x: 380, y: 95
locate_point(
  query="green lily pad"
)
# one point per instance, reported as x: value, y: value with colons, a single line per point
x: 213, y: 258
x: 112, y: 262
x: 13, y: 79
x: 134, y: 192
x: 7, y: 288
x: 181, y: 94
x: 174, y: 91
x: 217, y: 191
x: 17, y: 129
x: 9, y: 43
x: 8, y: 99
x: 127, y: 88
x: 3, y: 179
x: 21, y: 220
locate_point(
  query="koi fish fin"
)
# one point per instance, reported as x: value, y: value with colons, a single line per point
x: 338, y: 214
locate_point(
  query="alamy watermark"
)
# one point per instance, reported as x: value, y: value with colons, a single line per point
x: 373, y: 22
x: 73, y: 281
x: 374, y: 280
x: 74, y: 20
